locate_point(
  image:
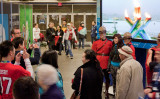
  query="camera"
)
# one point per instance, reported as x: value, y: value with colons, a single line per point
x: 21, y: 52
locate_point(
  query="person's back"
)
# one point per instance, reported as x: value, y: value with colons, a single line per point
x: 132, y: 73
x: 91, y: 83
x: 92, y: 86
x: 8, y: 74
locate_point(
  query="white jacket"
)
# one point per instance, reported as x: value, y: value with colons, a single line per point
x: 36, y: 32
x: 66, y: 35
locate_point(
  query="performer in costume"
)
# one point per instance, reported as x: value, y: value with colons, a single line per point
x: 102, y: 49
x: 127, y: 41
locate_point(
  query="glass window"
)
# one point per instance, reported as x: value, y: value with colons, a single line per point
x: 39, y: 8
x: 54, y: 19
x: 42, y: 21
x: 66, y: 17
x: 84, y: 8
x: 77, y: 20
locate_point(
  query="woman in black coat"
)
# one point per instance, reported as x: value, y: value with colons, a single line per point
x: 59, y: 33
x: 92, y: 77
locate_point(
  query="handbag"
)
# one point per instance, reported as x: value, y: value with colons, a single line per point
x: 73, y: 96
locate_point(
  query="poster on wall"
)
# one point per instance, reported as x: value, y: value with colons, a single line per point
x: 4, y: 27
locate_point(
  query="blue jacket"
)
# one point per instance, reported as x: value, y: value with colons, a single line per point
x: 93, y: 31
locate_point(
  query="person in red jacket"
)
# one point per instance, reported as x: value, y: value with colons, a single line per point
x: 150, y: 58
x: 127, y: 41
x: 9, y: 72
x: 102, y: 49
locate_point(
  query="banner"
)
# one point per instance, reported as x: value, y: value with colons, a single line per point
x: 4, y: 27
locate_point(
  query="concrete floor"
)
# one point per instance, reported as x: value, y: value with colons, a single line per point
x: 67, y: 68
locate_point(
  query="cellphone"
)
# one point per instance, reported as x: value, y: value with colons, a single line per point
x: 21, y: 52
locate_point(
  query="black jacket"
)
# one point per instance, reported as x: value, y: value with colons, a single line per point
x: 91, y: 83
x: 50, y: 34
x: 34, y: 60
x: 61, y: 34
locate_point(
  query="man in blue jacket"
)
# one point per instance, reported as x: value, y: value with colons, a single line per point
x: 93, y: 31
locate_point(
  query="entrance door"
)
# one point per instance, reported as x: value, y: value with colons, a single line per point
x: 54, y: 19
x: 42, y: 22
x: 89, y: 19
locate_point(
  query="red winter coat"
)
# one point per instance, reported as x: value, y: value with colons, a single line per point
x: 133, y: 49
x: 148, y: 71
x: 104, y: 50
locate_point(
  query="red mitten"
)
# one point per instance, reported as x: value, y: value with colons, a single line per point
x: 35, y: 40
x: 75, y: 42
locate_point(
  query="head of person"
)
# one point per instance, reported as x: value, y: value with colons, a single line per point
x: 15, y: 32
x: 157, y: 55
x: 35, y: 25
x: 47, y: 76
x: 88, y: 55
x: 82, y: 24
x: 59, y: 27
x: 158, y: 39
x: 69, y: 26
x: 18, y: 43
x: 127, y: 38
x: 125, y: 52
x: 102, y: 32
x: 117, y: 39
x: 51, y: 24
x: 7, y: 50
x: 93, y: 23
x: 25, y: 88
x: 50, y: 57
x: 64, y: 22
x: 72, y: 25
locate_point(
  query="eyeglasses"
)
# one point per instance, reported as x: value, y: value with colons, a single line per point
x: 18, y: 33
x: 100, y: 32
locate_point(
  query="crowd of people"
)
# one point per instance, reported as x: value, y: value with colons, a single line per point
x: 117, y: 57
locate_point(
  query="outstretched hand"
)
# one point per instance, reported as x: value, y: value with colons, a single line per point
x: 25, y: 54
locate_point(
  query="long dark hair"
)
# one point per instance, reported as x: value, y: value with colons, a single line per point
x: 91, y: 55
x: 120, y: 40
x: 50, y: 57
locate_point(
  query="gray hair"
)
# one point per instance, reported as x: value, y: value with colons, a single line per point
x: 47, y: 74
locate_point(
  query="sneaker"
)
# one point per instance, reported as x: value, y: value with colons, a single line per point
x: 71, y: 57
x: 67, y: 55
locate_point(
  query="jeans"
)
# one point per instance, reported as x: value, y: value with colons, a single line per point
x: 93, y: 39
x: 69, y: 51
x: 60, y: 47
x: 81, y: 40
x: 73, y: 44
x: 65, y: 45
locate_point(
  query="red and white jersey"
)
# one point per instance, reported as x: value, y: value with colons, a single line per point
x: 9, y: 73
